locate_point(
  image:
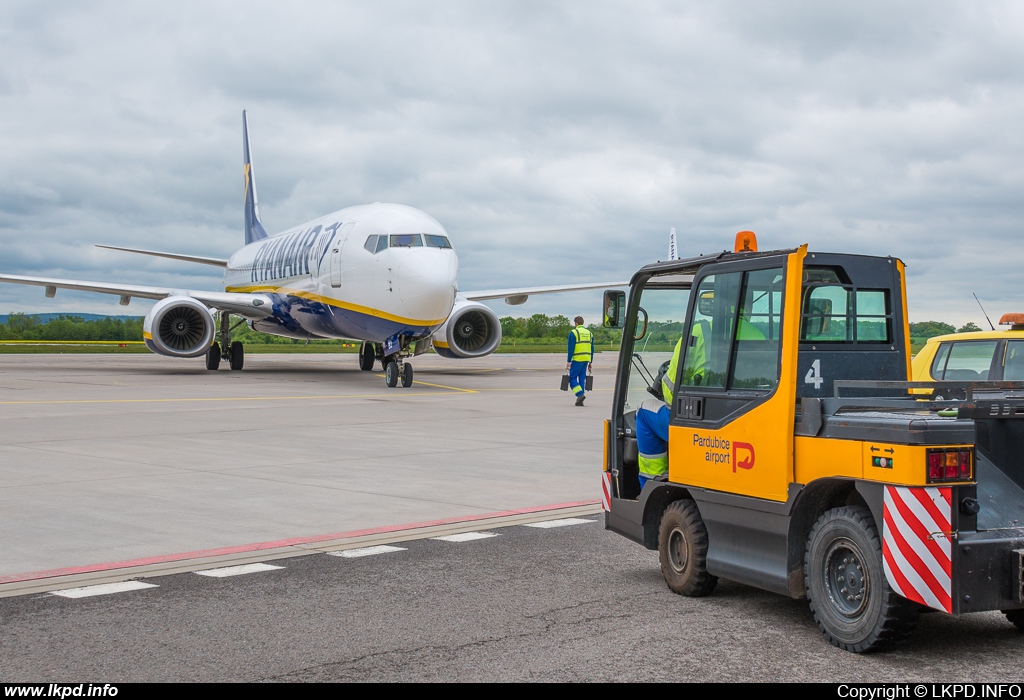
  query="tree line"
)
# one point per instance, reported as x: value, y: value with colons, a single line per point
x: 538, y: 329
x: 541, y: 329
x: 21, y: 326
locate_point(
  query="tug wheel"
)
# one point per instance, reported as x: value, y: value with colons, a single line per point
x: 851, y: 600
x: 683, y: 550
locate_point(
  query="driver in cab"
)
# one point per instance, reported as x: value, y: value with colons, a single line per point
x: 652, y: 415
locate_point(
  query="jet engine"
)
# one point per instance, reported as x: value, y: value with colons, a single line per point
x: 472, y: 330
x: 179, y: 327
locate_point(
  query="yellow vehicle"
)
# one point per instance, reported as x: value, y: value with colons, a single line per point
x: 797, y: 460
x: 981, y: 355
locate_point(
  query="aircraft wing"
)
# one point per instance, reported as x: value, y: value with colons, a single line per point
x: 173, y: 256
x: 517, y: 295
x: 254, y: 306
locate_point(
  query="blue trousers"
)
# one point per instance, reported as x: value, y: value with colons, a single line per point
x: 652, y: 433
x: 578, y: 377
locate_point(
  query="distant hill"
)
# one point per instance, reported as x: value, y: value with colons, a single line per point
x: 45, y: 318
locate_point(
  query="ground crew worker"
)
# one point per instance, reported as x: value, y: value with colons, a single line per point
x: 693, y: 372
x: 579, y: 358
x: 652, y: 415
x: 652, y: 439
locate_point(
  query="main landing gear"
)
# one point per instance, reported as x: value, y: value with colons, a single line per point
x: 396, y: 369
x: 224, y: 348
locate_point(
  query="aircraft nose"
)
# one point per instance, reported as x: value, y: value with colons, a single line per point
x: 427, y: 283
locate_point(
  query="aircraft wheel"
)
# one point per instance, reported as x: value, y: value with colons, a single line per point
x: 851, y: 600
x: 391, y: 373
x: 683, y: 550
x: 406, y: 375
x: 237, y: 355
x: 366, y: 356
x: 213, y: 357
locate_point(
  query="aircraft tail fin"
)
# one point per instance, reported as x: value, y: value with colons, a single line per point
x: 254, y: 230
x: 673, y: 251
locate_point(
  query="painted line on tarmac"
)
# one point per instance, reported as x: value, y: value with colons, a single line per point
x: 225, y: 571
x: 453, y: 388
x: 103, y: 589
x: 466, y: 537
x: 389, y: 394
x: 562, y: 522
x: 181, y: 562
x: 367, y: 551
x: 441, y: 386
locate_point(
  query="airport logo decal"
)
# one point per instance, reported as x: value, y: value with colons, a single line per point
x: 722, y: 451
x: 742, y: 456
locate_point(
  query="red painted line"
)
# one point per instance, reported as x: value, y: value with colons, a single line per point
x: 291, y: 542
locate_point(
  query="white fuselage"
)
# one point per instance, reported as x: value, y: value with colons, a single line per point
x: 368, y: 272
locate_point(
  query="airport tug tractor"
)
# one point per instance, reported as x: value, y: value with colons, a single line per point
x: 799, y: 461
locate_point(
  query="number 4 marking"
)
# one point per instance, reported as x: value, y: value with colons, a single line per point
x: 814, y: 375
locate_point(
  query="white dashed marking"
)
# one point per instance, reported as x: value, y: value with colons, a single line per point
x: 558, y: 523
x: 466, y: 537
x: 238, y: 570
x: 367, y: 551
x: 103, y: 589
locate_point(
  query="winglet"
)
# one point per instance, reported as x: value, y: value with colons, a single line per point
x: 254, y: 230
x: 673, y: 252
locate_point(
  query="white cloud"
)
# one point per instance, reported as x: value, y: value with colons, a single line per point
x: 556, y: 141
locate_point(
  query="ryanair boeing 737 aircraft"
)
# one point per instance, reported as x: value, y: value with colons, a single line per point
x: 384, y: 274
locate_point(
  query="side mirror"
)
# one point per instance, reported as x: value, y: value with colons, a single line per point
x: 614, y: 308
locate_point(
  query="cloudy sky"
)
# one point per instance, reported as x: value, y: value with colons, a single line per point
x: 556, y: 141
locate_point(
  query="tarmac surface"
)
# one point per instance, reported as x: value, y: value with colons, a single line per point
x: 573, y: 603
x: 115, y: 461
x: 420, y: 513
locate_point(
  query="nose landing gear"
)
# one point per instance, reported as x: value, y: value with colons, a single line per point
x: 396, y: 369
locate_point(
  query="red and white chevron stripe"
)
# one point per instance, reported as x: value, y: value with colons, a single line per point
x: 606, y: 491
x: 917, y: 545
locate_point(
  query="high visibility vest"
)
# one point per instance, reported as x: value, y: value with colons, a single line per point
x: 653, y: 465
x: 668, y: 381
x: 584, y: 349
x: 697, y: 358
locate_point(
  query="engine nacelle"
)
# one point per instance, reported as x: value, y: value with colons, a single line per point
x: 472, y: 330
x: 179, y: 327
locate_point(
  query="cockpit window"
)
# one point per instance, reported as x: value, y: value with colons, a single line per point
x: 406, y: 240
x: 371, y: 244
x: 382, y: 243
x: 436, y: 241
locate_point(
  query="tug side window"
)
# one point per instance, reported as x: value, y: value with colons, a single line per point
x: 756, y: 353
x: 835, y: 313
x: 733, y: 340
x: 709, y: 340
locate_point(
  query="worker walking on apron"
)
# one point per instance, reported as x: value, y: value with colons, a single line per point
x: 579, y: 359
